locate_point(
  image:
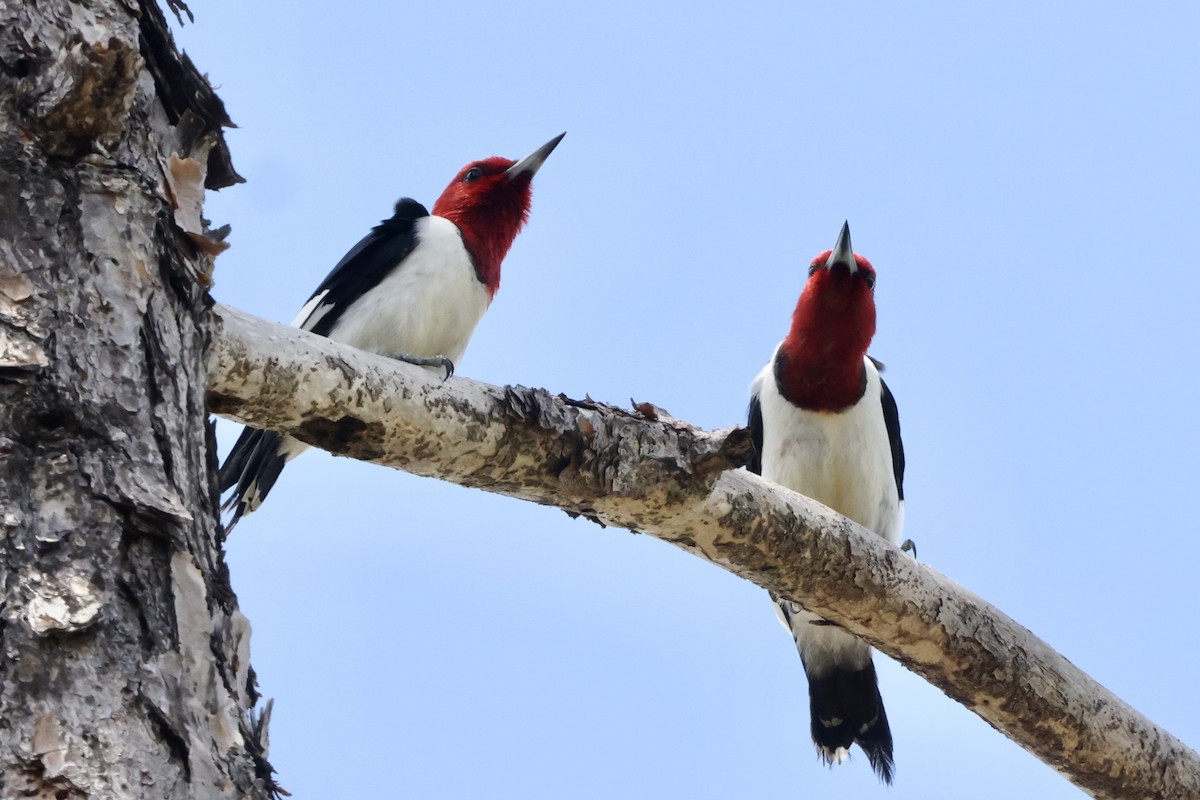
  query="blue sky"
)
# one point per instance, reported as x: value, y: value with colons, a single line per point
x: 1022, y: 175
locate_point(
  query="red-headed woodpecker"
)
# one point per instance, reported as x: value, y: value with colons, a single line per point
x: 414, y: 289
x: 825, y: 424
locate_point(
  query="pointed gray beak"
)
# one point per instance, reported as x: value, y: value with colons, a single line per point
x: 531, y: 163
x: 842, y: 252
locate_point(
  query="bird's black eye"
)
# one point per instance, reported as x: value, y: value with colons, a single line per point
x: 812, y: 270
x: 870, y: 279
x: 473, y: 174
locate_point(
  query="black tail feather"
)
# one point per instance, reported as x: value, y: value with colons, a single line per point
x: 848, y: 708
x: 250, y: 469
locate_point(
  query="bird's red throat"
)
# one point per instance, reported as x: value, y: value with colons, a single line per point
x: 489, y: 212
x: 820, y: 364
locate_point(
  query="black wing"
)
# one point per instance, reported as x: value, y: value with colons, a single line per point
x: 891, y: 418
x: 754, y: 423
x: 367, y: 263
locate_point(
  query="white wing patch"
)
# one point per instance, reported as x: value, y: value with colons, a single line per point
x: 313, y: 312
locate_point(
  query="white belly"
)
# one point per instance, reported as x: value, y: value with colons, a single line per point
x: 843, y: 460
x: 428, y: 307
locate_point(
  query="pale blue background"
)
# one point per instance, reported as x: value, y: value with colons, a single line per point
x: 1023, y: 176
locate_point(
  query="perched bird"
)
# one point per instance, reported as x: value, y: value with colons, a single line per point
x: 414, y: 289
x: 825, y: 424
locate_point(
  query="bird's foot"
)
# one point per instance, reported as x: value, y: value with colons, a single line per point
x: 426, y: 361
x: 909, y: 546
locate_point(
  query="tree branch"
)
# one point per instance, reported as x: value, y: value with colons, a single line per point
x: 680, y: 484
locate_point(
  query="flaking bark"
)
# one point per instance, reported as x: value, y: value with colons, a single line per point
x: 124, y: 666
x: 645, y: 471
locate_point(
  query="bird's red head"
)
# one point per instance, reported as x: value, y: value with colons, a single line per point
x: 489, y: 202
x: 821, y: 360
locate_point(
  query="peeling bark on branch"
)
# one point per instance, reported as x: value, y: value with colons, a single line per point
x: 676, y: 482
x: 579, y: 456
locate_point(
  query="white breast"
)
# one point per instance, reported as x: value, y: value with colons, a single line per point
x: 843, y: 459
x: 428, y: 307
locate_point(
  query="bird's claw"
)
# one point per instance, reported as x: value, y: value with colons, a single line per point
x: 426, y: 361
x: 909, y: 546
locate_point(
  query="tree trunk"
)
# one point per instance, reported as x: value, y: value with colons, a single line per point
x: 124, y: 668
